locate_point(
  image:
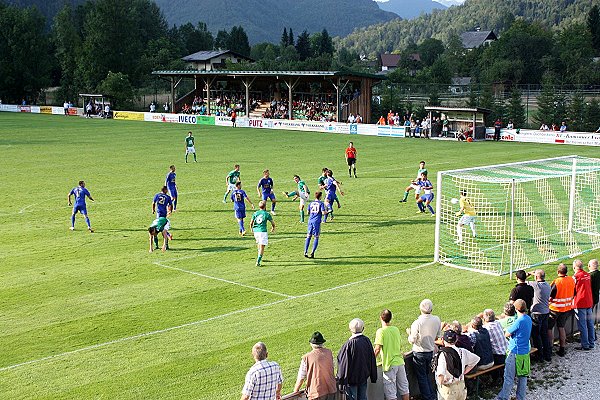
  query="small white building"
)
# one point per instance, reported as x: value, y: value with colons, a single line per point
x: 214, y: 59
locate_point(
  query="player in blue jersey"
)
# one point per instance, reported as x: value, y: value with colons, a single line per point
x: 427, y: 196
x: 265, y: 190
x: 331, y: 185
x: 239, y: 198
x: 80, y: 193
x: 316, y: 211
x: 162, y: 204
x: 172, y: 186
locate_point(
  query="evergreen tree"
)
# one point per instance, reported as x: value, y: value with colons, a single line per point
x: 67, y: 43
x: 238, y: 41
x: 303, y: 46
x: 576, y: 112
x: 291, y: 40
x: 284, y: 39
x: 473, y: 100
x: 222, y: 40
x: 487, y: 101
x: 325, y: 43
x: 547, y: 103
x: 593, y: 25
x: 515, y: 110
x: 592, y: 115
x: 196, y: 38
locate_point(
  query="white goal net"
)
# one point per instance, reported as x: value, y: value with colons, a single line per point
x: 527, y: 214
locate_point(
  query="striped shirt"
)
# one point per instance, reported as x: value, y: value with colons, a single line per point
x: 262, y: 380
x: 499, y: 342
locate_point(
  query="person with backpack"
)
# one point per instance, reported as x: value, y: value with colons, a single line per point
x: 450, y: 365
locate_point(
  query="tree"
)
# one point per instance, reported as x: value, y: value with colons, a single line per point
x: 25, y: 61
x: 238, y: 41
x: 291, y: 40
x: 515, y: 110
x: 574, y: 49
x: 548, y: 103
x: 303, y: 46
x: 324, y: 43
x: 196, y: 38
x: 67, y: 42
x: 429, y: 50
x: 222, y: 40
x: 593, y: 25
x: 118, y: 87
x: 592, y: 115
x: 576, y: 112
x: 284, y: 39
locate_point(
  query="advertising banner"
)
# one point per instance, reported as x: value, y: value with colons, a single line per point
x: 25, y: 109
x: 391, y: 131
x: 36, y: 109
x: 161, y: 117
x: 554, y: 137
x: 205, y: 120
x: 223, y: 121
x: 58, y: 111
x: 363, y: 129
x: 128, y: 115
x: 45, y: 110
x: 9, y: 108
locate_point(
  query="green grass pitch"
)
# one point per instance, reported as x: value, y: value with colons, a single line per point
x: 95, y: 316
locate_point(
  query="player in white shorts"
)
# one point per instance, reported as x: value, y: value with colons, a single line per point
x: 259, y: 227
x: 469, y: 216
x: 414, y: 185
x: 189, y: 146
x: 302, y: 193
x: 231, y: 179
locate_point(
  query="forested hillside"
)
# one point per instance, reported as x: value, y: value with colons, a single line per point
x: 441, y: 24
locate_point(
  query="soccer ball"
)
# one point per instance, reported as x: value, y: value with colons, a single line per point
x: 469, y: 139
x: 454, y: 200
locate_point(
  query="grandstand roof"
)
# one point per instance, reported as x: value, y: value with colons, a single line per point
x: 324, y: 74
x: 459, y: 109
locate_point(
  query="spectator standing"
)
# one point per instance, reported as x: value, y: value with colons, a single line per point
x: 497, y: 338
x: 106, y: 111
x: 264, y: 379
x: 517, y: 362
x: 563, y: 127
x: 391, y: 359
x: 66, y: 107
x: 356, y: 363
x: 422, y: 335
x: 583, y: 303
x: 562, y: 291
x: 540, y: 312
x: 595, y: 276
x: 482, y: 344
x: 497, y: 129
x: 522, y: 290
x: 316, y: 368
x: 452, y: 365
x: 152, y: 107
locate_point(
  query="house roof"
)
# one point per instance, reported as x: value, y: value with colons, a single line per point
x: 389, y: 60
x: 471, y: 40
x: 204, y: 55
x: 276, y: 74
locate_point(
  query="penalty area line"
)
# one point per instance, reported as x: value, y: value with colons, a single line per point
x: 214, y: 318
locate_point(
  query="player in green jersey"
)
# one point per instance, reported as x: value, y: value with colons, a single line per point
x: 259, y: 227
x: 189, y: 146
x: 160, y: 225
x: 302, y: 193
x: 414, y: 185
x: 231, y: 179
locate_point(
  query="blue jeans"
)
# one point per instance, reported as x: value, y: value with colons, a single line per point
x: 358, y: 392
x: 585, y: 324
x: 510, y: 372
x: 422, y: 365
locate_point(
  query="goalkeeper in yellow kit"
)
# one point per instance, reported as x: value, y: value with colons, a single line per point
x: 467, y: 214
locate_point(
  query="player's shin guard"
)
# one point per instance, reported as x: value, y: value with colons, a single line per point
x: 273, y: 206
x: 194, y: 157
x: 175, y: 204
x: 186, y: 157
x: 306, y: 245
x: 291, y: 194
x: 472, y: 225
x: 354, y: 169
x: 421, y: 206
x: 73, y: 220
x: 315, y: 244
x: 156, y: 241
x: 241, y: 224
x: 459, y: 233
x: 405, y: 196
x: 301, y: 215
x: 350, y: 172
x: 430, y: 208
x: 87, y: 221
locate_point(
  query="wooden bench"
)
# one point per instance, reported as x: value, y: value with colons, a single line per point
x: 475, y: 375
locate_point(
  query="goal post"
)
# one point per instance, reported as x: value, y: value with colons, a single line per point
x: 526, y: 214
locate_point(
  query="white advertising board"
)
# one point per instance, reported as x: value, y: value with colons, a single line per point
x: 553, y: 137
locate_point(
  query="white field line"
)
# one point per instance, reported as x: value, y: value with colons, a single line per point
x: 222, y: 280
x: 216, y: 317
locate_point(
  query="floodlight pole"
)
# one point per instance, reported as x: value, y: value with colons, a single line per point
x: 438, y: 217
x: 512, y: 227
x: 572, y: 194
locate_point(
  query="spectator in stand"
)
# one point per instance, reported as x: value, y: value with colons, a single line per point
x: 390, y: 357
x: 462, y: 340
x: 563, y: 127
x: 522, y: 290
x: 544, y: 127
x: 358, y: 119
x: 351, y: 119
x: 453, y: 363
x: 316, y: 369
x: 152, y: 107
x: 422, y: 335
x: 497, y: 339
x: 595, y: 276
x: 509, y: 316
x: 407, y: 127
x: 264, y: 379
x: 356, y: 363
x: 390, y: 118
x: 539, y: 315
x: 497, y: 129
x: 166, y: 107
x: 554, y: 127
x: 517, y: 362
x: 510, y: 124
x: 583, y: 303
x: 561, y: 306
x: 482, y: 344
x: 381, y: 121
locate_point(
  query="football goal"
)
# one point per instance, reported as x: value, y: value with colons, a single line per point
x: 518, y: 215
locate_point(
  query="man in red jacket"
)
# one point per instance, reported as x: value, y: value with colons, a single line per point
x: 583, y: 306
